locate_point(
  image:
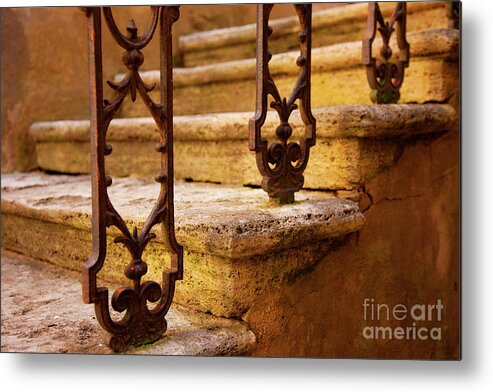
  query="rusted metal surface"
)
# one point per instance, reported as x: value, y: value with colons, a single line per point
x: 384, y: 75
x: 282, y: 162
x: 139, y: 323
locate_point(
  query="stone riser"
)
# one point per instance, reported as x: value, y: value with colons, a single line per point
x: 211, y: 284
x: 338, y: 78
x: 354, y: 144
x: 337, y: 164
x: 343, y: 24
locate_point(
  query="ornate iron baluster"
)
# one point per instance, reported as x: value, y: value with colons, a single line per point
x: 282, y: 178
x: 386, y: 77
x: 139, y: 323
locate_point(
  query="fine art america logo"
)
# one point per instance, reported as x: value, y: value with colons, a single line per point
x: 417, y: 322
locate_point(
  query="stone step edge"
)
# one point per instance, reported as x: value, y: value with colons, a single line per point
x: 377, y: 121
x: 189, y: 332
x: 432, y: 43
x: 201, y: 41
x: 227, y: 229
x: 227, y: 264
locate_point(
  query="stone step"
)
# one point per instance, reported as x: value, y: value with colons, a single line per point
x: 353, y: 144
x: 235, y: 245
x: 338, y: 78
x: 331, y: 26
x: 42, y: 311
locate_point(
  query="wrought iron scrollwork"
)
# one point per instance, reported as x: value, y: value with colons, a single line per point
x: 282, y: 163
x: 139, y: 323
x: 384, y: 76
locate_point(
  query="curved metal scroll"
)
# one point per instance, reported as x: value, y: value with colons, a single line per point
x: 282, y: 163
x: 139, y: 324
x: 384, y: 76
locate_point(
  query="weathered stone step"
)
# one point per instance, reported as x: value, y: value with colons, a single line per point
x: 353, y: 144
x: 335, y: 25
x: 338, y: 77
x: 42, y: 311
x: 235, y: 245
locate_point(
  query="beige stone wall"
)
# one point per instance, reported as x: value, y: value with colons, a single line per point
x: 43, y: 69
x: 44, y: 64
x: 44, y: 75
x: 407, y: 252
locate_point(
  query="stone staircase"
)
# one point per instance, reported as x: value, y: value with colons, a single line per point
x: 238, y: 250
x: 338, y: 77
x: 329, y: 26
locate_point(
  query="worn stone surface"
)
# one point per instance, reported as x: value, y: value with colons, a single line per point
x: 330, y: 26
x: 353, y: 143
x: 42, y: 312
x: 234, y: 244
x: 338, y: 78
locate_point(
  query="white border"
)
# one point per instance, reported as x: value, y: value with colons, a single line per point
x: 21, y: 372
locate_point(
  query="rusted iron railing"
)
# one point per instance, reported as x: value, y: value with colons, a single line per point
x: 139, y: 324
x: 384, y: 75
x: 282, y: 163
